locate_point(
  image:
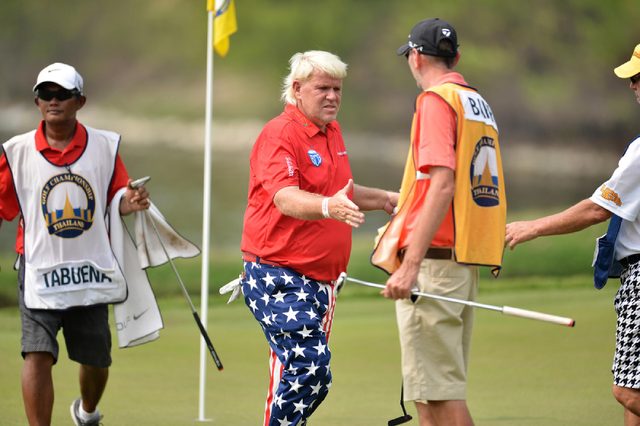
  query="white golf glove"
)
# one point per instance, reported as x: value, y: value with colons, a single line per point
x: 234, y: 287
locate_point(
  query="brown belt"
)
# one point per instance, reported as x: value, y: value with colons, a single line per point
x: 439, y: 253
x: 250, y: 257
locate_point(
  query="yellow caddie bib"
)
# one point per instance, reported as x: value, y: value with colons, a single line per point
x: 479, y: 203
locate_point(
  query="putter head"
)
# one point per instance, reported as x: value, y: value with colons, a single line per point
x: 342, y: 278
x: 400, y: 420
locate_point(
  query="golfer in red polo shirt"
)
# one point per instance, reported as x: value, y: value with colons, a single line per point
x: 302, y: 204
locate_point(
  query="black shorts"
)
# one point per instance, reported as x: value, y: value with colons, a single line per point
x: 85, y: 329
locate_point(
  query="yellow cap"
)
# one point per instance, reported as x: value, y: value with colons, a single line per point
x: 631, y: 67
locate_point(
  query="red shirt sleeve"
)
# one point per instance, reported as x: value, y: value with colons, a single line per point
x: 437, y: 134
x: 275, y: 165
x: 119, y: 180
x: 9, y: 207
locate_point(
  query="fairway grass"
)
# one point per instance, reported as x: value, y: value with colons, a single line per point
x: 522, y: 372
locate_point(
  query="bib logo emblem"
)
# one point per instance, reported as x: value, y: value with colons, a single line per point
x: 315, y: 157
x: 484, y: 174
x: 68, y: 204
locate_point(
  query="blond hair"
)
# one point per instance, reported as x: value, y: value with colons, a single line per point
x: 302, y: 66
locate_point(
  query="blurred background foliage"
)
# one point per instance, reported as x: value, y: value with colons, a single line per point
x: 544, y: 66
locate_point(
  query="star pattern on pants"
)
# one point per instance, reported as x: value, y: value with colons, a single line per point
x: 291, y: 310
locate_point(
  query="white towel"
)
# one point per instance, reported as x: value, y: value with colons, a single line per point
x: 138, y: 318
x: 150, y: 250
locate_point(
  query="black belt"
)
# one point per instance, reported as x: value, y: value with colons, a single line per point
x: 630, y: 260
x: 439, y: 253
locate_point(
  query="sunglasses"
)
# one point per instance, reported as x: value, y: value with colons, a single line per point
x: 59, y: 94
x: 635, y: 78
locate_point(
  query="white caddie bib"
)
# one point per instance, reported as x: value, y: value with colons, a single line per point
x: 68, y: 258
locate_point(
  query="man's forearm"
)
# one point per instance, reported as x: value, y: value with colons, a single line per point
x: 368, y: 198
x: 576, y: 218
x: 295, y: 202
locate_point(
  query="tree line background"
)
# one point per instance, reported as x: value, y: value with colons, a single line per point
x: 544, y: 66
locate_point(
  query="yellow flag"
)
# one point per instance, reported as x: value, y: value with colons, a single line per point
x: 224, y: 23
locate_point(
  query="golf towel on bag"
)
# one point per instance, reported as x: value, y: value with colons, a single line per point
x: 605, y: 265
x: 138, y: 318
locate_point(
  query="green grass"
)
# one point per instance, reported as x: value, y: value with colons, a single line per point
x: 522, y: 372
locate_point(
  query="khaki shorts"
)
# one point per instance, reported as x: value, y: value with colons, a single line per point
x: 435, y: 335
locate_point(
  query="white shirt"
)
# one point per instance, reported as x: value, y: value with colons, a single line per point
x: 621, y: 196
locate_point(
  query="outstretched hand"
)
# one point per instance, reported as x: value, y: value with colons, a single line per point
x: 341, y: 208
x: 391, y: 202
x: 519, y: 232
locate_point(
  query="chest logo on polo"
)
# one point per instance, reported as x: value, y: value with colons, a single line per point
x: 68, y: 204
x: 485, y: 188
x: 315, y: 157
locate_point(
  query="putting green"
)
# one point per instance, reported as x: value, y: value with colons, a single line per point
x: 522, y: 372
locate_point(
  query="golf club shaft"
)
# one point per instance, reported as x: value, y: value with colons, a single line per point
x: 196, y: 317
x: 507, y: 310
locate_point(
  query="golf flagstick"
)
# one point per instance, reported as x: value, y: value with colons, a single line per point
x: 506, y: 310
x: 203, y: 331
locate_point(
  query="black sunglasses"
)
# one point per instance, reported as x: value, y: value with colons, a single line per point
x: 635, y: 78
x: 59, y: 94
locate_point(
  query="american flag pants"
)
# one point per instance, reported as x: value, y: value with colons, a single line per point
x: 295, y: 314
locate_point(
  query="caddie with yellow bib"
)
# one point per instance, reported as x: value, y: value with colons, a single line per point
x: 450, y: 220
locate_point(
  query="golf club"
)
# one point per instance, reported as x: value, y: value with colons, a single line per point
x: 405, y: 417
x: 203, y: 331
x: 135, y: 184
x: 506, y: 310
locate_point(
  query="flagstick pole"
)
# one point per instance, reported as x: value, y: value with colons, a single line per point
x: 206, y: 212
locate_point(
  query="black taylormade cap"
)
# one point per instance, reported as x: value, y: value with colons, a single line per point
x: 426, y: 35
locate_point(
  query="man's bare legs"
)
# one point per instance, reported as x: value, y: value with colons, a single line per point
x: 37, y: 388
x: 93, y: 381
x: 444, y: 413
x: 630, y: 399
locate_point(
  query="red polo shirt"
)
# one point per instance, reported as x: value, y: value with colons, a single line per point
x: 292, y: 151
x: 9, y: 207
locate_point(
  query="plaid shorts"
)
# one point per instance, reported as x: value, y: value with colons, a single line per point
x: 85, y: 329
x: 626, y: 361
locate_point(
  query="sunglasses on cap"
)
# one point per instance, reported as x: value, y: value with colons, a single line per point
x: 59, y: 94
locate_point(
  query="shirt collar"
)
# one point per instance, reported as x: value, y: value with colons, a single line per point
x: 79, y: 140
x: 450, y: 77
x: 309, y: 127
